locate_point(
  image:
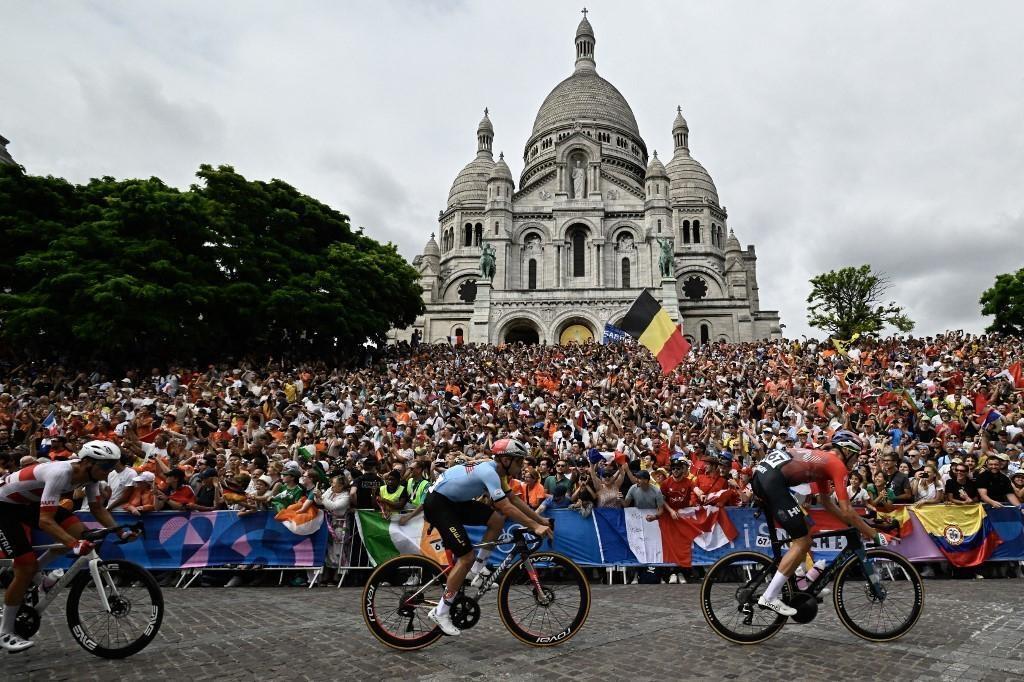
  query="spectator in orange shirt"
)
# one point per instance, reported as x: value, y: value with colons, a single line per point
x: 533, y: 490
x: 170, y: 423
x: 59, y: 449
x: 176, y: 495
x: 143, y: 498
x: 711, y: 482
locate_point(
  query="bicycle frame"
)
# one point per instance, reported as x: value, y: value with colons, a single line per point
x: 521, y: 551
x: 89, y: 561
x: 854, y: 550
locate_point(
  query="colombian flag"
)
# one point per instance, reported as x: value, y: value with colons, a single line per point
x: 963, y: 533
x: 648, y: 323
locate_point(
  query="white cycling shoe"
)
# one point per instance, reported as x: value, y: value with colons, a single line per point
x: 13, y: 643
x: 478, y: 579
x: 444, y: 621
x: 776, y: 605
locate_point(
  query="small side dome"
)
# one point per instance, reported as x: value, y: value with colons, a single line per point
x: 732, y: 243
x: 501, y: 170
x: 689, y: 180
x: 656, y: 169
x: 470, y: 184
x: 431, y: 249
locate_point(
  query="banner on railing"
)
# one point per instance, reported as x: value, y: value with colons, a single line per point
x: 175, y: 540
x: 624, y: 537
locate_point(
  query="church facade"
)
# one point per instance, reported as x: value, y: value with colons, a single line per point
x: 593, y: 221
x: 5, y: 156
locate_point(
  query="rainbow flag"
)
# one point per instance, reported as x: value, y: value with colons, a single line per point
x: 963, y: 533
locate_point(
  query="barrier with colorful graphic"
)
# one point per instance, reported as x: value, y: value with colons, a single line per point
x: 175, y: 540
x: 623, y: 537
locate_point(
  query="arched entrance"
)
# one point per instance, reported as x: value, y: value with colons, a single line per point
x: 521, y: 331
x: 575, y: 331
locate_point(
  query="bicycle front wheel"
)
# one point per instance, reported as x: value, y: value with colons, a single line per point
x: 873, y: 618
x: 136, y: 610
x: 396, y: 600
x: 729, y: 594
x: 548, y: 607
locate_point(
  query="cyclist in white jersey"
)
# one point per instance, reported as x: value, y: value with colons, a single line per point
x: 452, y: 502
x: 31, y: 497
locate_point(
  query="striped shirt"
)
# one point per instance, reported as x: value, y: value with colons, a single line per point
x: 42, y: 485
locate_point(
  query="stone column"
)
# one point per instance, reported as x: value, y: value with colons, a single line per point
x: 595, y: 181
x: 479, y: 324
x: 669, y: 297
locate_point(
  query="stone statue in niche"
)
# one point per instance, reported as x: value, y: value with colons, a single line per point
x: 544, y: 194
x: 579, y: 181
x: 625, y: 243
x: 613, y: 194
x: 532, y: 245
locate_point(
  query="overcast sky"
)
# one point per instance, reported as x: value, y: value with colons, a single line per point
x: 837, y: 133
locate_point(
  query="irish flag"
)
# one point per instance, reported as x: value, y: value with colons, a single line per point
x: 385, y: 538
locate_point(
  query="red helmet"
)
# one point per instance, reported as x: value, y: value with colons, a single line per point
x: 508, y: 447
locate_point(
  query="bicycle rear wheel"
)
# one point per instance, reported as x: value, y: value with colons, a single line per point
x: 729, y: 594
x: 554, y: 613
x: 867, y: 616
x: 396, y: 600
x: 136, y: 610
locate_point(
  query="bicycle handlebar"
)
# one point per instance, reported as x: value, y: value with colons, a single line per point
x: 98, y: 534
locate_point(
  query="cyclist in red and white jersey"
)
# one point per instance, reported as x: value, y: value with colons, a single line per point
x: 826, y: 471
x: 31, y: 497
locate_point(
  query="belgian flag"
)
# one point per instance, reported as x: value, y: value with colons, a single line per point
x: 649, y: 323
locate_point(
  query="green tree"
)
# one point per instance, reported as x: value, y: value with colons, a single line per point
x: 136, y: 270
x: 847, y: 301
x: 1005, y: 300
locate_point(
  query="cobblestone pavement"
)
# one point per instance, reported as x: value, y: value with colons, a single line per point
x: 970, y: 630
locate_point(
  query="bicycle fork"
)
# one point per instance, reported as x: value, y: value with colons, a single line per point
x: 541, y: 595
x: 101, y: 579
x: 872, y: 575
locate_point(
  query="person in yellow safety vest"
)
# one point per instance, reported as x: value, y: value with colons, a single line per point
x: 393, y: 495
x: 417, y: 486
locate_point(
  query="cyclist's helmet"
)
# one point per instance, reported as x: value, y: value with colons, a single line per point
x: 509, y: 447
x: 100, y: 449
x: 847, y: 442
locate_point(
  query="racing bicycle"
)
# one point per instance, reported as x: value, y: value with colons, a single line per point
x: 543, y: 597
x: 114, y: 608
x: 877, y: 593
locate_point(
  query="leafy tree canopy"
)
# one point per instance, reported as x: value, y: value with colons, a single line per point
x: 1005, y: 300
x: 134, y: 269
x: 847, y: 301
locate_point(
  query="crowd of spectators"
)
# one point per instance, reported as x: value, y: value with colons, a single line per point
x: 942, y: 416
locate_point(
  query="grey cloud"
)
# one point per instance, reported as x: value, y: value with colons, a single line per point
x: 837, y: 133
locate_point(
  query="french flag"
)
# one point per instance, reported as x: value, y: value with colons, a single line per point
x: 50, y: 423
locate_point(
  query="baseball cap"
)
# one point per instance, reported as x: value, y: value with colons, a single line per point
x: 144, y: 477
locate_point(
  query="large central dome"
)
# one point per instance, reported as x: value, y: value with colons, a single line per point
x: 585, y: 96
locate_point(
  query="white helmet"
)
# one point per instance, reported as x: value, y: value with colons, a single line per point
x: 100, y: 449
